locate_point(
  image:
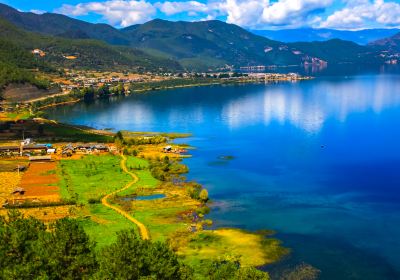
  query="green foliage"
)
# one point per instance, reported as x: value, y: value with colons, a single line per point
x: 118, y: 90
x: 89, y: 54
x: 69, y: 253
x: 88, y: 94
x: 203, y: 196
x: 231, y: 269
x: 131, y: 258
x: 167, y: 170
x: 28, y: 249
x: 151, y: 140
x: 91, y: 177
x: 301, y: 272
x: 15, y: 63
x: 103, y: 92
x: 197, y: 192
x: 31, y: 250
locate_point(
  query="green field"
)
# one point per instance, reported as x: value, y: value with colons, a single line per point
x: 63, y: 132
x: 103, y: 224
x: 91, y: 177
x: 168, y: 219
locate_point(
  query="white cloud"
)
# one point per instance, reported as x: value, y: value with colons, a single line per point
x: 364, y: 14
x: 116, y: 12
x: 244, y: 12
x: 349, y: 14
x: 293, y: 12
x: 172, y: 8
x: 38, y: 12
x: 249, y: 13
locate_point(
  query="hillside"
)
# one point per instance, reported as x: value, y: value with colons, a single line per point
x: 60, y: 25
x: 83, y: 53
x: 391, y: 44
x: 361, y: 37
x: 197, y: 43
x: 207, y: 43
x: 338, y: 51
x: 15, y: 63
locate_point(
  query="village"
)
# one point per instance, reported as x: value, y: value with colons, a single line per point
x: 30, y: 167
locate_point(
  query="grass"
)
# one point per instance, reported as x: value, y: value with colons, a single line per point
x: 251, y: 249
x: 91, y: 177
x: 168, y: 219
x: 74, y: 134
x: 146, y: 180
x: 162, y: 222
x: 50, y: 131
x: 103, y: 224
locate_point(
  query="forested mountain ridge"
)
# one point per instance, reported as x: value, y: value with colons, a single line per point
x: 196, y: 45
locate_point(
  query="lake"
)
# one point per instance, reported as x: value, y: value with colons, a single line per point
x: 317, y: 161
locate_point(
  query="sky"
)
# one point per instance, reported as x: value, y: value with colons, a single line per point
x: 251, y: 14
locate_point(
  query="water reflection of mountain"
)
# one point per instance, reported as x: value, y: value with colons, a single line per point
x: 307, y: 105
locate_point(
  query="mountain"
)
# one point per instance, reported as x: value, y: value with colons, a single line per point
x: 391, y: 44
x: 337, y: 51
x: 55, y: 24
x: 194, y: 45
x: 82, y: 53
x: 361, y: 37
x: 216, y: 42
x: 207, y: 43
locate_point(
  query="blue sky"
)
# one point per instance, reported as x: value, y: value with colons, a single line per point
x: 257, y: 14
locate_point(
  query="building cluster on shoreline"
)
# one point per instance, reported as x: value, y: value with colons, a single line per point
x: 81, y: 79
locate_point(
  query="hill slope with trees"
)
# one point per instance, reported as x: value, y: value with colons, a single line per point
x: 195, y: 45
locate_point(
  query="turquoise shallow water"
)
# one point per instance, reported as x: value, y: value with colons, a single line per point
x: 318, y: 161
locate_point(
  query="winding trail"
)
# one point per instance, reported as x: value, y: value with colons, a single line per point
x: 144, y: 233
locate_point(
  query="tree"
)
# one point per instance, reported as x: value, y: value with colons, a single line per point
x: 66, y: 251
x: 88, y: 94
x: 40, y: 129
x: 203, y: 196
x: 29, y: 251
x: 132, y: 258
x: 18, y: 238
x: 251, y: 273
x: 231, y: 269
x: 103, y: 92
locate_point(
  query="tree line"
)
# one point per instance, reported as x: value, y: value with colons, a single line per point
x: 29, y: 249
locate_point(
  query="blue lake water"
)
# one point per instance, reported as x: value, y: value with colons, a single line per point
x: 144, y: 197
x: 318, y: 161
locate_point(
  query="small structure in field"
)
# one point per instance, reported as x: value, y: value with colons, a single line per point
x: 51, y: 151
x: 167, y: 149
x: 19, y: 191
x: 40, y: 158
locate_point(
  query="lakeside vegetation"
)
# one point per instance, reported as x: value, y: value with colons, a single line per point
x: 173, y: 210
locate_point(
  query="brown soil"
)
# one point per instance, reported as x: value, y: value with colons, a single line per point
x: 40, y: 182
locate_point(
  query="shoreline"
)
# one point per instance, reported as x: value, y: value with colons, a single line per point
x: 161, y: 88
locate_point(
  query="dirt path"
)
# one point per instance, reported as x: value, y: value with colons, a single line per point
x: 144, y: 233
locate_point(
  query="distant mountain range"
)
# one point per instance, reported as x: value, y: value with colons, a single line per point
x: 361, y: 37
x: 168, y: 45
x: 391, y: 44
